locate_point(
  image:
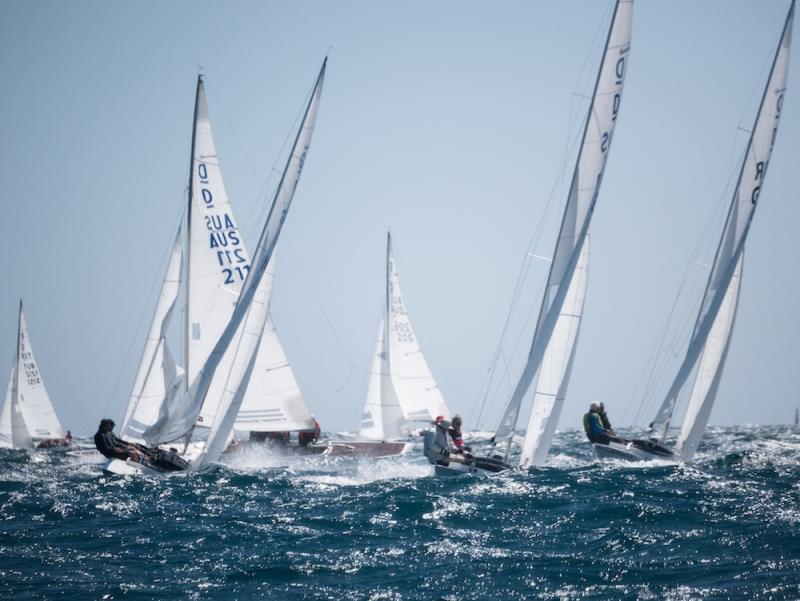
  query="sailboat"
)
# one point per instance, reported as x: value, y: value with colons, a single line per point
x: 554, y: 341
x: 27, y: 417
x: 708, y: 346
x: 402, y: 395
x: 230, y: 343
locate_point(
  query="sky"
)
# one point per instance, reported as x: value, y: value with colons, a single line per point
x: 451, y: 123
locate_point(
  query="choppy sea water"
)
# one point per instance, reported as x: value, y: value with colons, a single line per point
x: 261, y: 527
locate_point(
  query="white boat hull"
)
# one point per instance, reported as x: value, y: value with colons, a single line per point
x: 125, y: 467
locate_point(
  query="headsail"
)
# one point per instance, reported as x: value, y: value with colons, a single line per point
x: 158, y: 378
x: 417, y: 391
x: 551, y: 384
x: 737, y: 225
x: 383, y: 417
x: 236, y: 381
x: 273, y: 401
x: 709, y: 371
x: 593, y: 153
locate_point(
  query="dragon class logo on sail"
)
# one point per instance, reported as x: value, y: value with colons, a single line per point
x: 224, y: 240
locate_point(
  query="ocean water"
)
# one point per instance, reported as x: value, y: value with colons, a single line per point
x: 262, y: 527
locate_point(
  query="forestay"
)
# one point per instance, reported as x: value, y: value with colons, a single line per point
x: 597, y: 136
x: 417, y: 391
x: 731, y: 246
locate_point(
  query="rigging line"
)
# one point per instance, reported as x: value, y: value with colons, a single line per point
x: 302, y: 349
x: 318, y: 303
x: 659, y: 346
x: 572, y: 122
x: 164, y: 257
x: 571, y: 141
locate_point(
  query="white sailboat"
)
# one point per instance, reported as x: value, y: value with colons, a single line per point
x: 402, y: 394
x: 711, y: 336
x: 27, y: 417
x: 230, y: 349
x: 556, y: 334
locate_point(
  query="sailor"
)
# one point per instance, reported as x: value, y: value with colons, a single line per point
x: 436, y: 443
x: 112, y: 447
x: 306, y: 437
x: 604, y: 417
x: 593, y: 425
x: 455, y: 434
x: 56, y: 442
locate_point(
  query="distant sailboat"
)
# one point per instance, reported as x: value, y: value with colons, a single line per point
x: 27, y: 417
x: 555, y: 337
x: 711, y: 336
x: 402, y: 394
x: 231, y: 345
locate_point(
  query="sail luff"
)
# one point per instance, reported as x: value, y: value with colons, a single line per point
x: 737, y: 223
x: 582, y: 198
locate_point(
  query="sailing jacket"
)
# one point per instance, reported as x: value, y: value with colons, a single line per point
x: 593, y: 426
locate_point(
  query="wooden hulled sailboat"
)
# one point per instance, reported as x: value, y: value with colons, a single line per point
x: 402, y: 394
x: 230, y: 344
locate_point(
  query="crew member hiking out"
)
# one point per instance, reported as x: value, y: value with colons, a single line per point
x: 593, y: 426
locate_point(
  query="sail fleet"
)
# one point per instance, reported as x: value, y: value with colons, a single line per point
x: 234, y: 375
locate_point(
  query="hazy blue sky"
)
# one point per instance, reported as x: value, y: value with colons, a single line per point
x: 449, y: 122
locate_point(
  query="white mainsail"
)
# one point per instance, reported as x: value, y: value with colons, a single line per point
x: 731, y: 246
x: 417, y: 391
x: 551, y: 383
x: 593, y: 153
x: 247, y: 344
x: 217, y: 262
x: 383, y: 417
x: 158, y: 378
x: 34, y: 402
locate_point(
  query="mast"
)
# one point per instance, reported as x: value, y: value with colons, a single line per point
x: 737, y: 226
x: 597, y: 136
x: 190, y: 198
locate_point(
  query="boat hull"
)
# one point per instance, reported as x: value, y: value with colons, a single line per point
x: 632, y: 450
x: 476, y: 466
x: 365, y: 448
